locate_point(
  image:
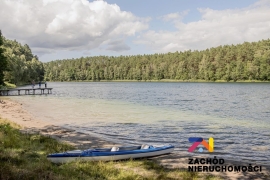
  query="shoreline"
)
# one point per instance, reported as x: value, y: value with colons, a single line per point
x: 13, y: 86
x: 171, y: 80
x: 15, y: 112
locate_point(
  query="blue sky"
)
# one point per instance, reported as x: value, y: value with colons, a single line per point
x: 60, y: 29
x: 156, y: 8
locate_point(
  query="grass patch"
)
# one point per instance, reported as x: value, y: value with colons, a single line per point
x: 23, y: 156
x: 10, y: 123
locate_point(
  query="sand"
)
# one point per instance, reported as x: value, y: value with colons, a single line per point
x: 14, y: 111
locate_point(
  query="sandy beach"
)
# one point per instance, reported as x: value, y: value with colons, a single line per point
x: 15, y: 112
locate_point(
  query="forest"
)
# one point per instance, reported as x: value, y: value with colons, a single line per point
x: 3, y: 61
x: 247, y: 61
x: 18, y: 64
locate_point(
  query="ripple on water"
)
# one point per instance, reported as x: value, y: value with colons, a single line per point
x: 236, y: 115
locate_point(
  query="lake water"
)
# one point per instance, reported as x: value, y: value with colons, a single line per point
x: 236, y: 115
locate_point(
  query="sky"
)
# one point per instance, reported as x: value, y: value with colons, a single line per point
x: 65, y: 29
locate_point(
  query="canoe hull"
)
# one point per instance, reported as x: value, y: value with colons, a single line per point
x: 114, y: 156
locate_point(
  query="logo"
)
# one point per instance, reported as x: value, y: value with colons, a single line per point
x: 198, y: 140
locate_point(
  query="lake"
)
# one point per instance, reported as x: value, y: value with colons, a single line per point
x: 236, y: 115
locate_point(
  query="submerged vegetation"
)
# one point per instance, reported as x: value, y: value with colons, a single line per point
x: 23, y: 156
x: 243, y: 62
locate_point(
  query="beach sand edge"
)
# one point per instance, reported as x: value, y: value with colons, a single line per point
x: 14, y: 111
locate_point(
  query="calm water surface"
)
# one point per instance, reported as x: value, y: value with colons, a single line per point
x: 237, y: 115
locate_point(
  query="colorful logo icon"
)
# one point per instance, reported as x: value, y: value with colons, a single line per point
x: 198, y: 140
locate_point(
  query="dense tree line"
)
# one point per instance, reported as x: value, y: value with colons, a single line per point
x: 3, y: 61
x: 247, y: 61
x: 22, y: 66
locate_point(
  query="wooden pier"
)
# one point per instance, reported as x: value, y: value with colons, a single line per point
x: 30, y: 91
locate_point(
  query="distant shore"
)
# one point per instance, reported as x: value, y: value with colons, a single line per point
x: 170, y: 80
x: 11, y: 86
x: 15, y: 112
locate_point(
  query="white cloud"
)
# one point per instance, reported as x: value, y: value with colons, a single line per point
x: 117, y: 45
x: 171, y: 16
x: 174, y: 16
x: 216, y: 27
x: 49, y: 25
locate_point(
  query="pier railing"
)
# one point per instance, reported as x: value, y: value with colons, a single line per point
x: 30, y: 91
